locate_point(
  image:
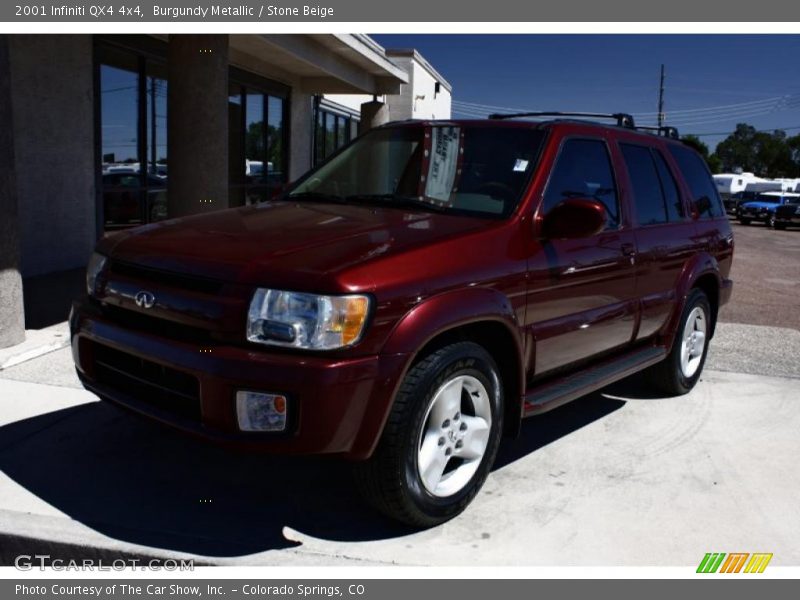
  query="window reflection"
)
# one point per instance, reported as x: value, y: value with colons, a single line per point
x: 332, y: 131
x: 258, y: 152
x: 133, y: 122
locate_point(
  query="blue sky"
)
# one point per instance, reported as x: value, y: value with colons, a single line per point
x: 712, y: 81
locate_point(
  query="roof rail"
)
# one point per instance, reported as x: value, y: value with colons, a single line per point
x: 622, y: 119
x: 669, y: 132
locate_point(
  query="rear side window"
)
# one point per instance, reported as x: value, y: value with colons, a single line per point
x: 698, y: 177
x: 647, y: 193
x: 655, y: 192
x: 672, y: 196
x: 583, y: 170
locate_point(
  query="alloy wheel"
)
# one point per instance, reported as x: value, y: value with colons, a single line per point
x: 454, y: 435
x: 694, y: 341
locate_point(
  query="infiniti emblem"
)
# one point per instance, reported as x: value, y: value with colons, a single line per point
x: 145, y: 299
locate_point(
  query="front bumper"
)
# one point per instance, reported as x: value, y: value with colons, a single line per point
x: 335, y: 405
x: 792, y: 219
x: 755, y: 216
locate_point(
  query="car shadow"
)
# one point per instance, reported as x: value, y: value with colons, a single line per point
x: 139, y: 482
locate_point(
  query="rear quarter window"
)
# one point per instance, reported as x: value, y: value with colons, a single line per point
x: 697, y: 176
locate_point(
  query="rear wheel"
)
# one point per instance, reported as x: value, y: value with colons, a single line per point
x: 680, y: 371
x: 771, y: 223
x: 441, y: 438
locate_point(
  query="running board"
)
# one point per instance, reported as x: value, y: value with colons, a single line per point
x: 565, y: 389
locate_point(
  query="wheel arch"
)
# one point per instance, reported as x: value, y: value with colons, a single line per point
x: 702, y: 273
x: 499, y: 341
x: 483, y: 315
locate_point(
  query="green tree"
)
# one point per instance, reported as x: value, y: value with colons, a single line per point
x: 737, y: 151
x: 763, y: 153
x: 695, y: 142
x: 254, y: 143
x: 713, y: 161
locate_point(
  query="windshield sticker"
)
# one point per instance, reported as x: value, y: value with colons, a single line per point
x: 443, y: 163
x: 520, y: 165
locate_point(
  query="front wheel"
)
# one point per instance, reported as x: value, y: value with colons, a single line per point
x: 771, y: 223
x: 744, y: 221
x: 441, y: 438
x: 780, y: 226
x: 679, y: 372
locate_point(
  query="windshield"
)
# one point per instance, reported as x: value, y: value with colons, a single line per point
x: 479, y: 171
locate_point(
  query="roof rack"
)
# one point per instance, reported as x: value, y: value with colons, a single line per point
x: 669, y: 132
x: 622, y: 119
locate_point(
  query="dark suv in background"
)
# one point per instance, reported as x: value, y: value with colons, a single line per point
x: 408, y: 302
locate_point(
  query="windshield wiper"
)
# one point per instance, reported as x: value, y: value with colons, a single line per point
x: 398, y: 201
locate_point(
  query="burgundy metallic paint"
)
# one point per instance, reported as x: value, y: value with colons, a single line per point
x: 562, y: 301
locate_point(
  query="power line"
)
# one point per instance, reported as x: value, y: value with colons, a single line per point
x: 685, y: 117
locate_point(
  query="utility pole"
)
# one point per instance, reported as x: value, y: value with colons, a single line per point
x: 661, y: 100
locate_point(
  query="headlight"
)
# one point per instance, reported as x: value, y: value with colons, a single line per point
x: 96, y: 264
x: 299, y: 320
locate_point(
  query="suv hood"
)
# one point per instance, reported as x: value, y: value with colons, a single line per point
x: 302, y: 244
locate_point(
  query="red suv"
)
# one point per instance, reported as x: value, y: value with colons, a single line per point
x: 408, y: 302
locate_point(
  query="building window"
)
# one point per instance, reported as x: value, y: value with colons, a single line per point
x: 333, y: 129
x: 132, y: 122
x: 133, y: 132
x: 258, y: 126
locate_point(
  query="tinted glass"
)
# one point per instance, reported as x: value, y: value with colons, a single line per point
x: 672, y: 196
x: 698, y: 177
x: 583, y: 170
x: 276, y: 169
x: 479, y: 171
x: 330, y: 133
x: 647, y: 194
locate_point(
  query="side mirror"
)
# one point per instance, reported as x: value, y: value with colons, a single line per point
x: 703, y: 205
x: 574, y: 218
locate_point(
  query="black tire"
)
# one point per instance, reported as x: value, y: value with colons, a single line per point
x: 390, y: 479
x: 771, y: 223
x: 667, y: 376
x: 744, y: 221
x: 779, y: 225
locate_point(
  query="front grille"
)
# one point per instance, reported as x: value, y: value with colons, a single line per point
x: 174, y: 280
x: 162, y: 387
x: 131, y: 319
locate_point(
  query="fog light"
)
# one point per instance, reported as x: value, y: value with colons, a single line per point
x: 261, y: 412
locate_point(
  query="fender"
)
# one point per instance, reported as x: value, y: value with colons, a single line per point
x: 430, y: 318
x: 437, y: 314
x: 698, y: 266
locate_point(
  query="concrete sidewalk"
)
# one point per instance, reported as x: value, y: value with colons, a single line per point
x: 616, y: 478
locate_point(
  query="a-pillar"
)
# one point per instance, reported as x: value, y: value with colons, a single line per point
x: 197, y: 127
x: 12, y: 313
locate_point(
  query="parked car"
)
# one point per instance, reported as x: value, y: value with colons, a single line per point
x: 788, y: 215
x: 762, y: 209
x: 126, y: 202
x: 731, y: 202
x: 405, y: 304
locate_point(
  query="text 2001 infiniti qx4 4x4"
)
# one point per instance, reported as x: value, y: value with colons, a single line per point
x: 405, y: 304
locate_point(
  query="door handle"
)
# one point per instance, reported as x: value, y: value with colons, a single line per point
x: 629, y: 251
